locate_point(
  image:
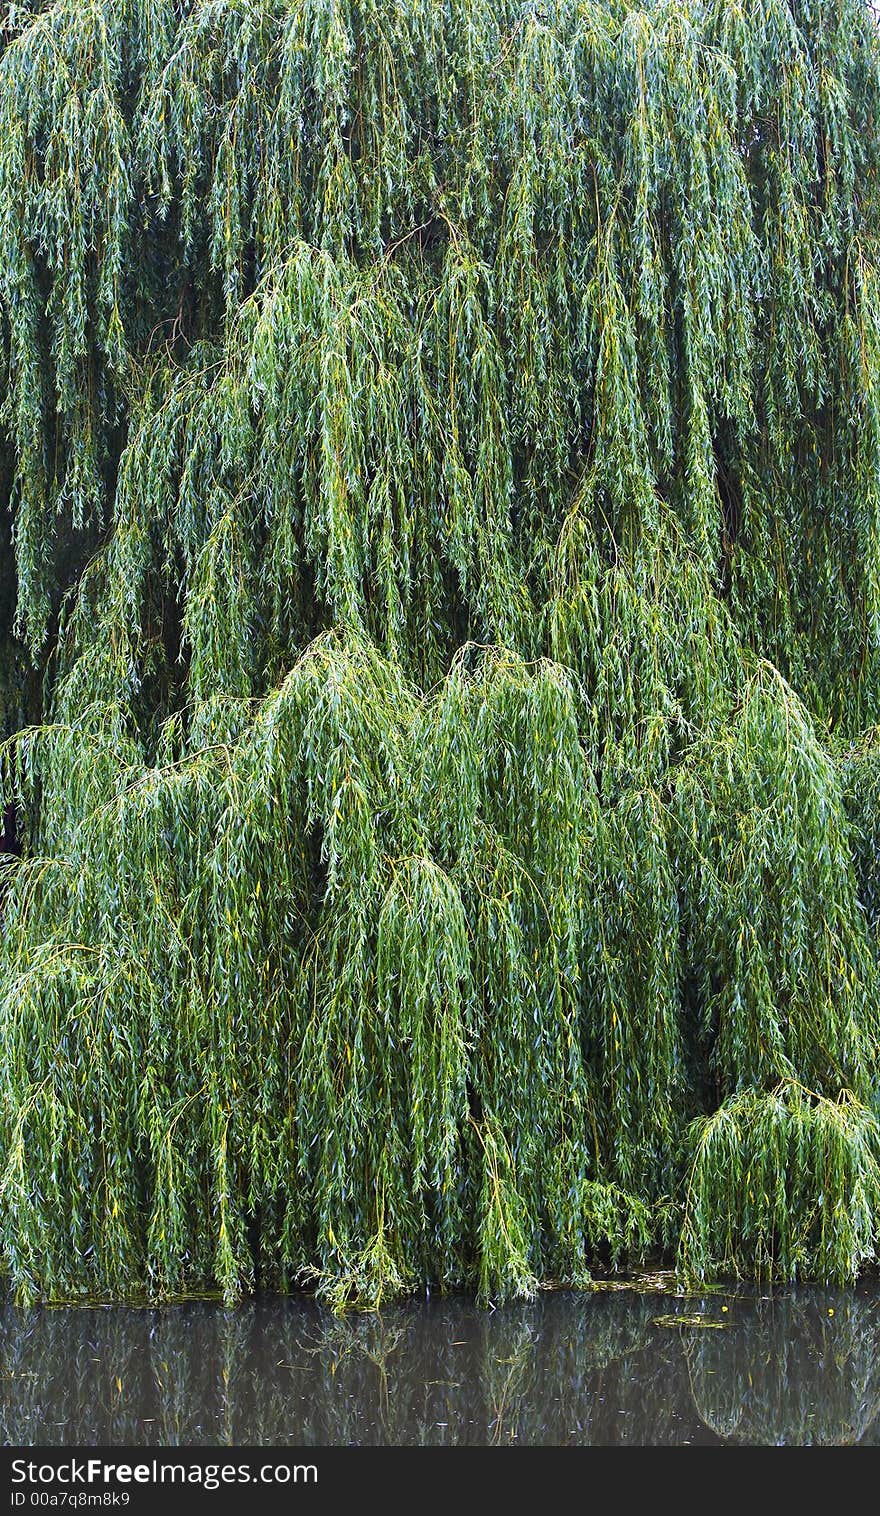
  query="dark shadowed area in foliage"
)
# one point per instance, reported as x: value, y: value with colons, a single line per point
x: 439, y: 644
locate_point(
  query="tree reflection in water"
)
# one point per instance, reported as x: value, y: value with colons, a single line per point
x: 800, y: 1367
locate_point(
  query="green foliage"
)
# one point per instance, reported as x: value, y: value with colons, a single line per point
x: 778, y: 938
x: 442, y: 450
x: 782, y: 1185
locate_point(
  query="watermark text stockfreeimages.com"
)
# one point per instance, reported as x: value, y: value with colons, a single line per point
x: 71, y: 1476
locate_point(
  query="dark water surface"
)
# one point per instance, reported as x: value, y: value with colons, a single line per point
x: 799, y: 1367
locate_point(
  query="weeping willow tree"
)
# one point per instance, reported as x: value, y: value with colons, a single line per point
x: 439, y: 642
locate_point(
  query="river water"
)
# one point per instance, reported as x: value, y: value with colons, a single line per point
x: 799, y: 1367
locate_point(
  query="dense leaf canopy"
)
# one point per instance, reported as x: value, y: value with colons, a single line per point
x: 439, y: 641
